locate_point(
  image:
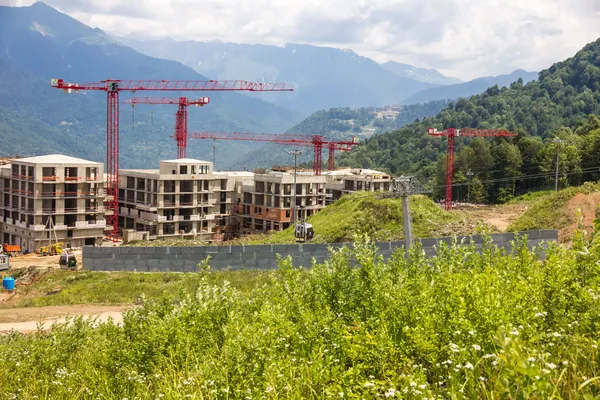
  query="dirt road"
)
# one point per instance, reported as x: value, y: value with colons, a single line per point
x: 26, y: 319
x: 34, y: 260
x: 499, y: 216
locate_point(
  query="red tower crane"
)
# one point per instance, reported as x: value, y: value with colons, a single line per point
x: 315, y: 141
x: 180, y: 116
x: 112, y: 87
x: 451, y: 133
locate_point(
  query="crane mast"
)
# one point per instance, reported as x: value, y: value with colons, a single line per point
x: 451, y: 133
x: 317, y: 142
x: 181, y: 120
x: 112, y: 87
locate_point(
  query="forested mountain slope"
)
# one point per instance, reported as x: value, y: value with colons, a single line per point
x: 563, y: 102
x: 39, y: 43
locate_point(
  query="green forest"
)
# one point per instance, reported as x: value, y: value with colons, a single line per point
x: 555, y: 117
x: 346, y: 121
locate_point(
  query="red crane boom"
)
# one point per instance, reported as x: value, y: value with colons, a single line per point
x: 315, y: 141
x: 451, y: 133
x: 112, y: 87
x: 180, y: 117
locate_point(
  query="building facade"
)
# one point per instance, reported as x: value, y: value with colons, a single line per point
x: 268, y: 202
x: 346, y: 181
x: 52, y: 196
x: 183, y: 198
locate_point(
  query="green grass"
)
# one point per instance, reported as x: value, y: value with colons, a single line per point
x: 548, y: 211
x: 530, y: 196
x: 88, y: 287
x: 462, y: 325
x: 360, y: 212
x: 381, y: 219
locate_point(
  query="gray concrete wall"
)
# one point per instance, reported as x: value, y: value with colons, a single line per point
x: 186, y: 259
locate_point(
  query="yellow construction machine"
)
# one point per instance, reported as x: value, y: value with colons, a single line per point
x: 51, y: 250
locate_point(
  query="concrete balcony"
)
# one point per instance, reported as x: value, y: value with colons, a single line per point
x: 90, y: 224
x: 37, y: 228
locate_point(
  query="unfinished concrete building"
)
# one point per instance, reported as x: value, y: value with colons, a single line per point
x: 267, y: 204
x: 345, y: 181
x: 53, y: 190
x: 183, y: 198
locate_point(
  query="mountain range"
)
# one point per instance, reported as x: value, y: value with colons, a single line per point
x: 39, y: 43
x: 466, y: 89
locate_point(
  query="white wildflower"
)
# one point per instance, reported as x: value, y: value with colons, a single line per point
x: 471, y: 332
x: 390, y: 393
x: 468, y: 365
x: 413, y: 384
x: 369, y: 384
x: 546, y: 371
x: 482, y: 378
x: 565, y: 363
x: 551, y: 365
x: 422, y: 387
x: 476, y: 347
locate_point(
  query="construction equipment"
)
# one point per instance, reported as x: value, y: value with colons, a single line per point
x: 12, y: 250
x: 112, y: 87
x: 303, y: 231
x: 180, y: 117
x: 51, y: 250
x: 451, y: 133
x: 315, y: 141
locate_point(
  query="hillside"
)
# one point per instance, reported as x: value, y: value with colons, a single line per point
x: 343, y: 124
x: 381, y: 219
x: 562, y: 102
x: 563, y: 210
x: 466, y: 89
x: 40, y: 43
x: 324, y: 76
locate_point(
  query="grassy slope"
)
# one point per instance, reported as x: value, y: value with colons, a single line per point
x: 53, y: 288
x: 361, y: 213
x: 380, y: 218
x: 548, y: 212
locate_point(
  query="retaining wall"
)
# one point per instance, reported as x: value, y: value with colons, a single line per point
x: 186, y: 259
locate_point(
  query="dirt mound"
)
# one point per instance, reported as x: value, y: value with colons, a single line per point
x: 586, y: 204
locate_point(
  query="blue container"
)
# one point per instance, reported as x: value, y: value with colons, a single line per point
x: 8, y: 283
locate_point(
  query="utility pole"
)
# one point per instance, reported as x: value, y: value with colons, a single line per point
x: 558, y: 141
x: 469, y: 175
x: 404, y: 187
x: 214, y: 157
x: 295, y: 153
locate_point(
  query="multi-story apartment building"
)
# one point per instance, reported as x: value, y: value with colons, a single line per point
x: 58, y: 191
x: 347, y: 181
x: 183, y: 198
x: 267, y: 203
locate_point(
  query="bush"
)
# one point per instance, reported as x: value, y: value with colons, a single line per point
x: 463, y: 324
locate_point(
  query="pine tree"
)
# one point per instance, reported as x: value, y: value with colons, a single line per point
x: 478, y: 192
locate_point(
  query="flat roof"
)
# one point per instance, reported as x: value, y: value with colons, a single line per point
x: 142, y: 171
x: 234, y: 173
x: 54, y: 159
x: 185, y: 160
x: 354, y: 171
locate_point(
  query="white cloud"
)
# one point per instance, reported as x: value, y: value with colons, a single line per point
x: 463, y: 38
